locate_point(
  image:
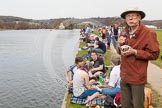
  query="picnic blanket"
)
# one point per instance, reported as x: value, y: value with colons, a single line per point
x: 80, y: 101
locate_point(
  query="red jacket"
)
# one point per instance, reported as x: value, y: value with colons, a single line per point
x: 134, y: 67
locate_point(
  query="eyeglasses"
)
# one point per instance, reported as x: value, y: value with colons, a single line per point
x: 133, y: 16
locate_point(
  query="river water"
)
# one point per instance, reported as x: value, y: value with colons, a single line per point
x: 32, y: 64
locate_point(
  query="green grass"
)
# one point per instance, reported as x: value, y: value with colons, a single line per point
x: 95, y: 32
x: 82, y: 52
x: 158, y: 62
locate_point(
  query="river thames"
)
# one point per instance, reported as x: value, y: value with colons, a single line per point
x: 32, y: 64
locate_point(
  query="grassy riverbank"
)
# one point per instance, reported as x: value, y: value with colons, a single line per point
x: 156, y: 98
x: 80, y: 53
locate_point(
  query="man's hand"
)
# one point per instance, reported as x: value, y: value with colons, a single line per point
x: 121, y: 40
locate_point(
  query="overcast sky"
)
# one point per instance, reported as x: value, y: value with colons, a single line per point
x: 48, y: 9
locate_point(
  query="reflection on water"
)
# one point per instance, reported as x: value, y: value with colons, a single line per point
x: 31, y: 62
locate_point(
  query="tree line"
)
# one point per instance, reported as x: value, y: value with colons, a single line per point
x: 23, y: 25
x: 33, y: 25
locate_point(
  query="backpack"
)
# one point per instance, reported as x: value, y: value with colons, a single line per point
x: 117, y: 101
x: 109, y: 102
x: 71, y: 69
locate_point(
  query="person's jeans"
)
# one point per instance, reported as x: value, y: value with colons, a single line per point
x: 108, y: 40
x: 110, y: 91
x: 114, y: 40
x: 132, y: 96
x: 98, y: 50
x: 88, y: 93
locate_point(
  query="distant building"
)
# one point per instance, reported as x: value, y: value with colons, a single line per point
x: 151, y: 26
x: 61, y: 26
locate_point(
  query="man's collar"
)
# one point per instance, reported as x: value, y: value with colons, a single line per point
x: 136, y: 33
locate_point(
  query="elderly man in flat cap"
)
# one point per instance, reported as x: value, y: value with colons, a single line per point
x: 137, y: 45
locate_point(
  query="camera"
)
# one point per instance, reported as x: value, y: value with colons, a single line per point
x: 124, y: 48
